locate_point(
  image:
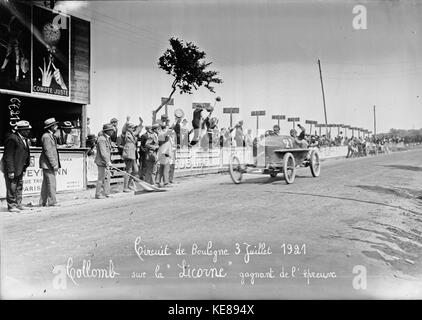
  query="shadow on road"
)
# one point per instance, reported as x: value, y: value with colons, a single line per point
x: 352, y: 199
x: 403, y: 167
x: 266, y: 179
x: 399, y: 192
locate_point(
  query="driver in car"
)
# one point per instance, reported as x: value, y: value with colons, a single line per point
x: 299, y: 140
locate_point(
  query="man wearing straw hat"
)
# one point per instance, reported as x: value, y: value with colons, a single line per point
x: 15, y: 160
x: 49, y: 163
x: 103, y: 161
x: 65, y: 138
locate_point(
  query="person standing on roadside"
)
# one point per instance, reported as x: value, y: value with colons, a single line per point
x: 114, y: 122
x: 16, y: 159
x: 129, y: 156
x: 103, y: 161
x: 49, y: 163
x: 151, y: 147
x: 164, y: 155
x: 239, y: 135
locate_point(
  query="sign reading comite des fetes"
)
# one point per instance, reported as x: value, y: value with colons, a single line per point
x: 70, y: 176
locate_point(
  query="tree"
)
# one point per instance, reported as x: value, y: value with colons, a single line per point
x: 185, y: 62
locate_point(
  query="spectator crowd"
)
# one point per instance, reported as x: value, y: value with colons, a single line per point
x: 148, y: 151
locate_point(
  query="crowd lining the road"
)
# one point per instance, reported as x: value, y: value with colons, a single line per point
x: 148, y: 152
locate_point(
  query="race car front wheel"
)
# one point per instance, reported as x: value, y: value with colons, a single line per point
x: 235, y: 169
x: 289, y: 168
x: 315, y: 163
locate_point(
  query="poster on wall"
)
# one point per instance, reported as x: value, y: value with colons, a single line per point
x: 15, y: 47
x: 51, y: 53
x: 69, y: 177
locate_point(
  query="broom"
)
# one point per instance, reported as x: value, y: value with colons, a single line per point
x: 139, y: 183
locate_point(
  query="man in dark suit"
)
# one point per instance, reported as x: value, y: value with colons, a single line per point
x: 49, y: 163
x: 16, y: 159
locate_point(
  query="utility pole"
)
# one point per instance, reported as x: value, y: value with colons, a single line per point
x: 375, y: 124
x: 323, y: 96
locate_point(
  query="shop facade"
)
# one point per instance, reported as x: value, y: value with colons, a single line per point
x: 45, y: 73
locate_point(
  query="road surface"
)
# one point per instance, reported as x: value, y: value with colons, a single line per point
x: 355, y: 232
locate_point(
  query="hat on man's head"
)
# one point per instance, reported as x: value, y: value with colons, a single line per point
x: 67, y: 125
x: 108, y: 127
x: 49, y: 122
x: 114, y: 120
x: 23, y: 125
x: 155, y: 126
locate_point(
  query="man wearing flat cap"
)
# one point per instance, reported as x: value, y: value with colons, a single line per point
x: 103, y: 161
x: 49, y: 163
x: 113, y: 135
x: 16, y: 159
x: 149, y: 146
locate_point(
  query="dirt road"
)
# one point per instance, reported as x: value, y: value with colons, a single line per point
x: 354, y: 232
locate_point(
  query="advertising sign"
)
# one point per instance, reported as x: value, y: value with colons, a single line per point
x: 205, y: 105
x: 188, y: 159
x: 278, y: 117
x: 15, y: 47
x: 293, y: 119
x: 258, y: 113
x: 169, y: 103
x: 70, y: 176
x: 230, y: 110
x: 51, y: 52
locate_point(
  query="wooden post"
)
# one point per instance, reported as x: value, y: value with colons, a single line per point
x: 375, y: 124
x: 323, y: 96
x: 83, y: 126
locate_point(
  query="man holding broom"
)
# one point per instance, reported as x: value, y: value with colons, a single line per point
x: 103, y: 161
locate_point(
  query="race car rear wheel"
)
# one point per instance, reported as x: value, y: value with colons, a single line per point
x: 289, y: 168
x: 235, y: 169
x: 315, y: 163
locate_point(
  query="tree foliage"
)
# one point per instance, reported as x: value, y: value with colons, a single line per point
x: 187, y: 65
x: 185, y: 62
x: 414, y: 135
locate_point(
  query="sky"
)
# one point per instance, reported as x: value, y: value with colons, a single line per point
x: 266, y: 53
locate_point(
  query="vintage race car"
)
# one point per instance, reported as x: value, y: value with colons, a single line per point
x: 273, y: 155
